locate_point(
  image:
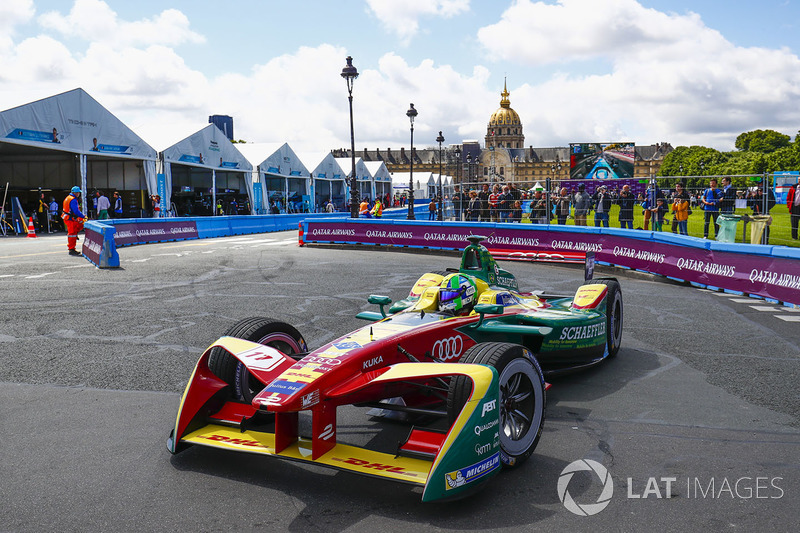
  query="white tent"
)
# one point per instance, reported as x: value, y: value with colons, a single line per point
x: 204, y: 162
x: 285, y: 177
x: 421, y: 181
x: 328, y: 179
x: 380, y: 177
x: 75, y: 123
x: 363, y: 176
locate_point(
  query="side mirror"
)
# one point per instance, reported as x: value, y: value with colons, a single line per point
x: 377, y: 299
x: 487, y: 309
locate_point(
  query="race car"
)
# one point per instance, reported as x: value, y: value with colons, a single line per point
x: 482, y: 411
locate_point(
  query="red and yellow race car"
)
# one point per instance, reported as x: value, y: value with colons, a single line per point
x: 482, y: 411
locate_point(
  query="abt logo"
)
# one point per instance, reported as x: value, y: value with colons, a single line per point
x: 488, y: 407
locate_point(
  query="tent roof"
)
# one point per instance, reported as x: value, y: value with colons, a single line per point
x: 208, y: 148
x: 72, y: 122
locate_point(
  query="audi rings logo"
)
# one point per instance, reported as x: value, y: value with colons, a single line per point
x: 449, y: 348
x: 586, y: 509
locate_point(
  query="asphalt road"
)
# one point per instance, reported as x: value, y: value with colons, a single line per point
x: 701, y: 400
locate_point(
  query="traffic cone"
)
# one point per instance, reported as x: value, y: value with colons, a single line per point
x: 31, y: 229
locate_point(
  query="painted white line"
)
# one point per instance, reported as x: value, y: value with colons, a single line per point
x: 744, y: 300
x: 41, y: 275
x: 139, y: 260
x: 791, y: 309
x: 766, y: 308
x: 80, y: 266
x: 7, y: 275
x: 283, y: 243
x: 790, y: 318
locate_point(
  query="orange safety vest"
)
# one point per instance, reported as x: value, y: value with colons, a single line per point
x: 67, y: 211
x: 363, y: 209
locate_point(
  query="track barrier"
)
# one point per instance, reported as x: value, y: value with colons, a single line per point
x: 771, y: 272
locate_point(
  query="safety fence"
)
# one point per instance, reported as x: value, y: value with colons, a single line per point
x: 771, y: 272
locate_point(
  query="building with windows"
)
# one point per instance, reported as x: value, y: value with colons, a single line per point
x: 503, y: 157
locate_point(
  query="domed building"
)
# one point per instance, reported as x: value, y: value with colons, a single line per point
x: 505, y: 127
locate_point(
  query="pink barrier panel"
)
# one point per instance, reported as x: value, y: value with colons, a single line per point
x: 762, y: 275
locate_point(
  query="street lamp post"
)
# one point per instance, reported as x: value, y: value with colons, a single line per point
x: 350, y: 73
x: 440, y: 140
x: 457, y: 153
x: 411, y: 114
x: 555, y: 167
x: 469, y: 168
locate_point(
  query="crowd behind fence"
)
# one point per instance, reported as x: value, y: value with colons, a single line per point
x: 759, y: 201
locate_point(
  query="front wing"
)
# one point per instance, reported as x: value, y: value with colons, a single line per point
x: 447, y: 465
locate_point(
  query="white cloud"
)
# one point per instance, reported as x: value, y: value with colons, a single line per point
x: 669, y: 76
x: 11, y: 15
x: 402, y: 18
x: 95, y: 20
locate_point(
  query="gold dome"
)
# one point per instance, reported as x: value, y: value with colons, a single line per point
x: 505, y: 116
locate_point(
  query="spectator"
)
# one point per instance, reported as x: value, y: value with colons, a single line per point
x: 680, y: 193
x: 473, y: 207
x: 432, y: 209
x: 55, y: 220
x: 494, y: 204
x: 562, y: 206
x: 506, y: 203
x: 516, y: 212
x: 658, y: 214
x: 711, y: 199
x: 793, y: 203
x: 728, y: 202
x: 155, y: 200
x: 582, y: 205
x: 117, y: 205
x: 539, y: 208
x: 626, y: 202
x: 459, y: 202
x: 41, y: 211
x: 103, y: 205
x: 602, y: 205
x: 329, y: 208
x: 680, y: 212
x: 484, y: 198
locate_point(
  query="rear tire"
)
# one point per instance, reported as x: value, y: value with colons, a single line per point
x: 522, y: 396
x: 267, y: 331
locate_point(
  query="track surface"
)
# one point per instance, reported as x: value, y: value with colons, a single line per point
x: 704, y: 390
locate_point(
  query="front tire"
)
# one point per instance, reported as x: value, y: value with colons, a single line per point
x: 522, y: 396
x: 267, y: 331
x: 614, y: 313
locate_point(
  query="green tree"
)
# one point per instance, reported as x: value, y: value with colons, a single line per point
x: 764, y: 141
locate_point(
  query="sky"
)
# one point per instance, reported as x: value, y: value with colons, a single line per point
x: 696, y: 72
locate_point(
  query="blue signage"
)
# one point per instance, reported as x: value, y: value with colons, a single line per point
x: 161, y: 186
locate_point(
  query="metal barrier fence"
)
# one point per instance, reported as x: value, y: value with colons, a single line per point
x: 753, y: 209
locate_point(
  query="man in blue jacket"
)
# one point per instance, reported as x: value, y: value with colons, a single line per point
x: 711, y: 199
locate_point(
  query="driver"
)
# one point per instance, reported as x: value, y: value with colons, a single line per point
x: 457, y: 294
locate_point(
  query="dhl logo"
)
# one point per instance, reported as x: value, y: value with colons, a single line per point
x: 230, y: 440
x: 376, y: 466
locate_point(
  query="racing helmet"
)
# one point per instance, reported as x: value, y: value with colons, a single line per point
x: 75, y: 189
x: 457, y: 293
